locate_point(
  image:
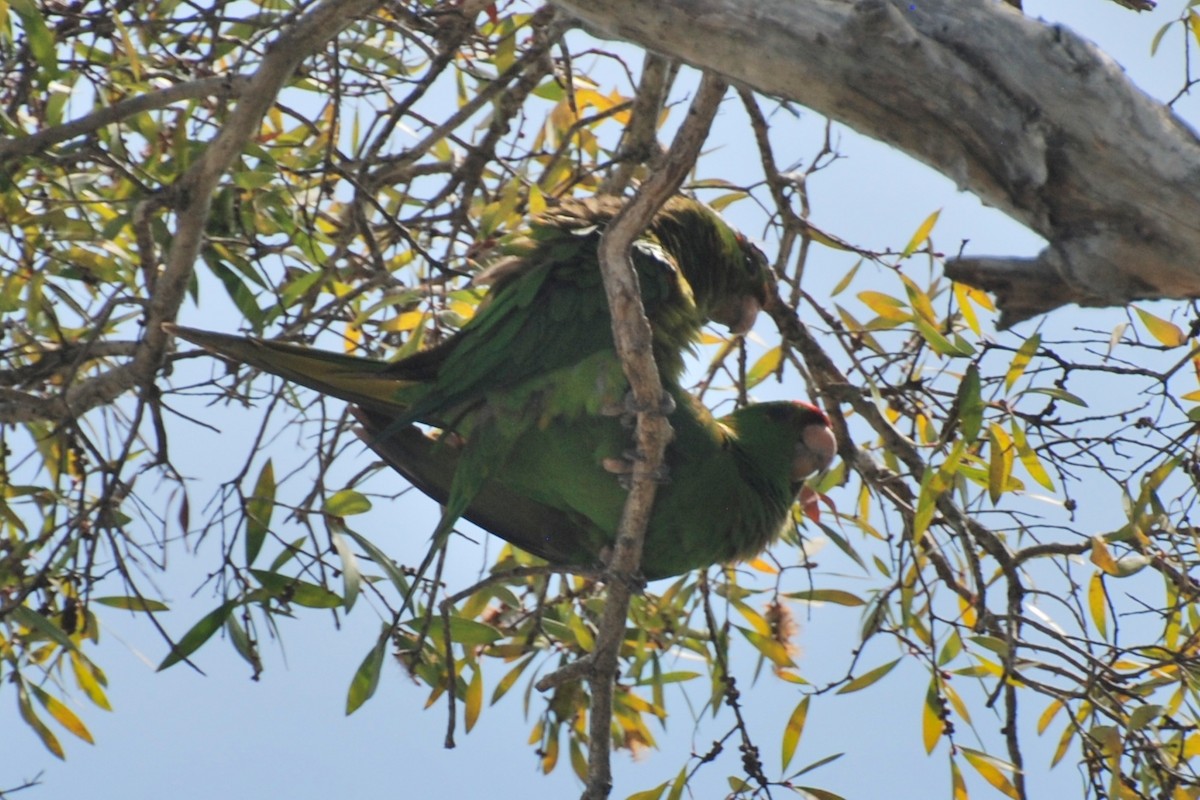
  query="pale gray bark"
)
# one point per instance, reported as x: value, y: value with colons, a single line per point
x: 1029, y: 117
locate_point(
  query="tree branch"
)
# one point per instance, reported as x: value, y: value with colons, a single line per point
x: 632, y: 335
x: 1030, y: 117
x: 220, y: 86
x: 192, y: 196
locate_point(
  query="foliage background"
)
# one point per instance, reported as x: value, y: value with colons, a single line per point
x: 286, y: 734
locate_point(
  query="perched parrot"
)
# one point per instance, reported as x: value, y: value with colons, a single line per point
x: 732, y: 483
x: 539, y: 350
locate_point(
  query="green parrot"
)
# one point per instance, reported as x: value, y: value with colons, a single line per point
x: 732, y: 483
x: 539, y: 350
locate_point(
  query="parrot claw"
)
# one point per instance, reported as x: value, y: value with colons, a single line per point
x: 623, y: 468
x: 629, y: 409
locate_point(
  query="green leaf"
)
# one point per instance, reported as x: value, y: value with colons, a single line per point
x: 1144, y: 715
x: 838, y: 596
x: 970, y: 404
x: 679, y: 784
x: 793, y: 730
x: 200, y: 633
x: 39, y: 37
x: 383, y: 561
x: 772, y: 648
x: 511, y: 677
x: 649, y: 794
x: 294, y: 590
x: 346, y: 503
x: 863, y: 681
x: 462, y: 631
x: 366, y: 677
x: 1058, y: 394
x: 259, y: 507
x: 132, y: 603
x: 24, y: 615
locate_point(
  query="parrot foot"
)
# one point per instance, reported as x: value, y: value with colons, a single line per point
x: 624, y: 467
x: 628, y: 409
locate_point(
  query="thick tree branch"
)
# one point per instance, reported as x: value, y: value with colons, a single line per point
x: 1030, y: 117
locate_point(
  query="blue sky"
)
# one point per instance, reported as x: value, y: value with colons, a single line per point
x: 223, y: 735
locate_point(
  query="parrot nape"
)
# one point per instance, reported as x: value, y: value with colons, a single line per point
x: 732, y: 483
x: 539, y: 350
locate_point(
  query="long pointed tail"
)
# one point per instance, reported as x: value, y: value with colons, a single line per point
x: 357, y: 380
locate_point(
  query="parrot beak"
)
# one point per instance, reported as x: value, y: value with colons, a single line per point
x: 739, y: 314
x: 814, y: 451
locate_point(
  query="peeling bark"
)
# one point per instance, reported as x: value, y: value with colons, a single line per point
x: 1030, y: 117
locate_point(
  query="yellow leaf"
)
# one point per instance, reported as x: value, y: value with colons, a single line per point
x: 885, y: 305
x: 863, y: 681
x: 90, y: 679
x: 31, y: 719
x: 960, y: 707
x: 582, y: 633
x: 131, y: 51
x: 921, y: 234
x: 404, y: 322
x: 1021, y: 360
x: 919, y: 300
x: 473, y: 701
x: 63, y: 715
x: 767, y: 363
x: 353, y: 337
x: 1098, y: 603
x: 845, y: 281
x: 770, y: 647
x: 1048, y: 715
x: 992, y: 769
x: 958, y: 789
x: 1167, y: 333
x: 550, y: 754
x: 1101, y: 556
x: 795, y: 727
x: 1000, y: 459
x: 537, y: 201
x: 1029, y: 457
x: 762, y: 565
x: 962, y: 293
x: 932, y: 724
x: 1064, y: 741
